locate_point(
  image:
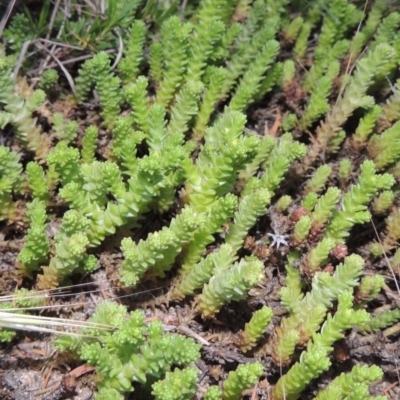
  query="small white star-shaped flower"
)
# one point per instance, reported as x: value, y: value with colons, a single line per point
x: 278, y: 239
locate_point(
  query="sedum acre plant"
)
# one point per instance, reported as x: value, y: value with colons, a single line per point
x: 237, y: 159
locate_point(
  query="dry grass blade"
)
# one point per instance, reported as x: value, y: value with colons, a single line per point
x: 386, y: 258
x: 13, y: 320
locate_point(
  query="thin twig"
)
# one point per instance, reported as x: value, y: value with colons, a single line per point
x: 53, y: 18
x: 22, y: 56
x: 120, y: 49
x: 102, y: 7
x: 64, y: 70
x: 189, y: 332
x: 349, y: 69
x: 54, y: 47
x: 70, y: 61
x: 183, y: 6
x: 91, y: 5
x: 386, y: 257
x: 6, y: 15
x: 60, y: 44
x: 393, y: 88
x: 66, y: 10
